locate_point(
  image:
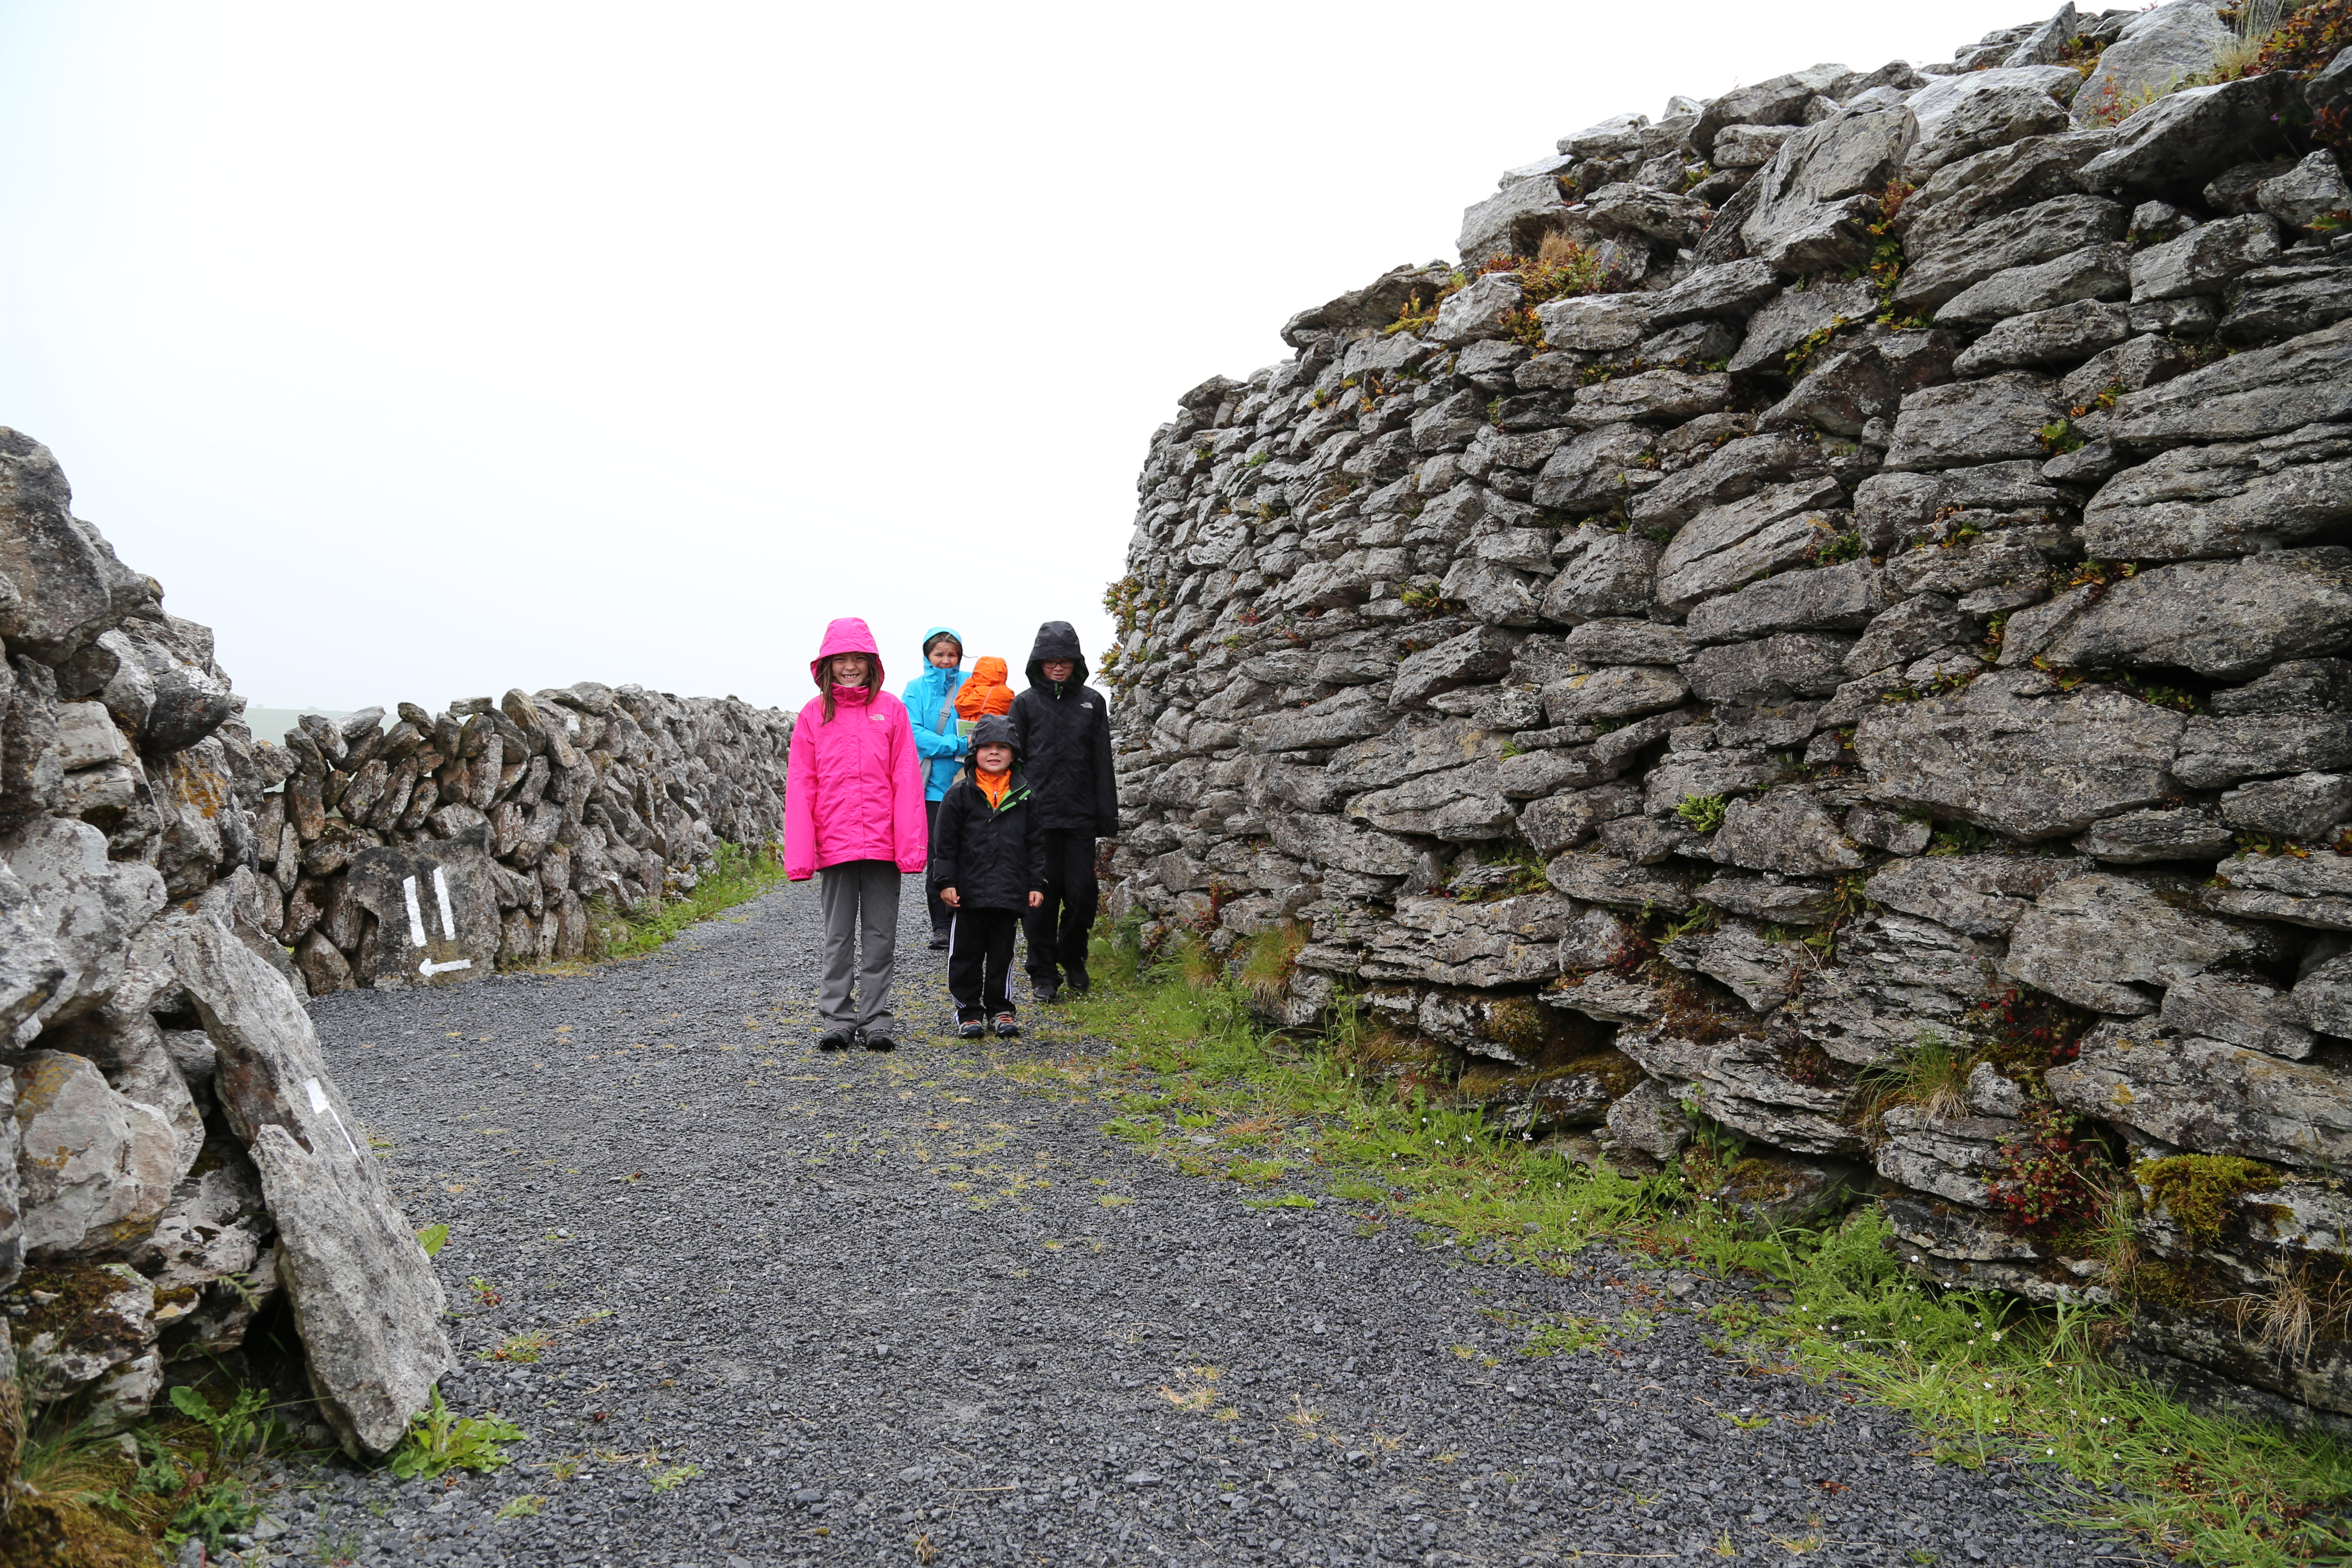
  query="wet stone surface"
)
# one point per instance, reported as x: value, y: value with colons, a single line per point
x: 806, y: 1309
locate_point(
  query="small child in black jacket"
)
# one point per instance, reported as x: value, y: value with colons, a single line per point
x: 990, y: 858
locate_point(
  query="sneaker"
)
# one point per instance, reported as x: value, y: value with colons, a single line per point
x: 1006, y: 1027
x: 938, y: 942
x: 834, y: 1040
x: 878, y: 1039
x: 972, y: 1029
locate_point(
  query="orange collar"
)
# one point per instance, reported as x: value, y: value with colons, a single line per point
x: 993, y: 785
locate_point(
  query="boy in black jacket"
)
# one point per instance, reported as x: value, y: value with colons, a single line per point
x: 1061, y: 727
x: 990, y: 858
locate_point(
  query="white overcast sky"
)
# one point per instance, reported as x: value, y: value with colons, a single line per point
x: 427, y: 349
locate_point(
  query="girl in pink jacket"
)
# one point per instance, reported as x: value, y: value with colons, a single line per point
x: 854, y: 810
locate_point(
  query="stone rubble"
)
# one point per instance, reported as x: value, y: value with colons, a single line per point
x: 1890, y: 580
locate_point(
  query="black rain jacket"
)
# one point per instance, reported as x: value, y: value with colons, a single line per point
x: 994, y: 858
x: 1062, y: 733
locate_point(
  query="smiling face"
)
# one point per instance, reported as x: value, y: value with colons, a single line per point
x: 945, y: 654
x: 994, y: 759
x: 850, y: 669
x: 1057, y: 670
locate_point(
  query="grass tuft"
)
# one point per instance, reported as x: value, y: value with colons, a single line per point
x: 738, y: 877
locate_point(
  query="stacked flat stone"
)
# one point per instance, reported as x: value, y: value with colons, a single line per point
x: 1931, y: 541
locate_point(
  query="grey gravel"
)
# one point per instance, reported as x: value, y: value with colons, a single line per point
x: 875, y: 1299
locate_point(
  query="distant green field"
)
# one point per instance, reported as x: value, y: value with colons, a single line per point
x: 271, y: 724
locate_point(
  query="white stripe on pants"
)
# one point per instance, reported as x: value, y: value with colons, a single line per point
x: 860, y: 902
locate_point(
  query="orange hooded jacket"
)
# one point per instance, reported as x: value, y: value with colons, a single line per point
x: 986, y: 693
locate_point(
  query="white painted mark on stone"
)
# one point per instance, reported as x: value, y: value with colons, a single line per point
x: 441, y: 891
x: 428, y: 968
x: 318, y: 1102
x: 415, y: 915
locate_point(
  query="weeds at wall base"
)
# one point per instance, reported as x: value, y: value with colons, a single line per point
x: 737, y: 876
x: 1985, y: 1379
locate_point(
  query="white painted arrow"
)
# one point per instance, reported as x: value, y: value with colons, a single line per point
x: 428, y: 968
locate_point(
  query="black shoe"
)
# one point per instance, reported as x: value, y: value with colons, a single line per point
x: 1076, y: 980
x: 973, y: 1029
x: 1006, y: 1027
x: 876, y: 1039
x: 938, y: 942
x: 1045, y: 994
x: 835, y: 1040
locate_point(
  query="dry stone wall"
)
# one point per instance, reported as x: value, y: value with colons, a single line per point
x: 1831, y: 620
x: 175, y: 1160
x: 503, y: 822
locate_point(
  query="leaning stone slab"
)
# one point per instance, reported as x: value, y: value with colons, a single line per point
x: 2011, y: 753
x: 2093, y: 940
x: 363, y: 1294
x: 2211, y: 1098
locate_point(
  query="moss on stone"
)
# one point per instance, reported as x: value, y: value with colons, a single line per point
x: 2199, y: 1191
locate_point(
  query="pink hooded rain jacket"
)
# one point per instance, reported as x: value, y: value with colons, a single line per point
x: 853, y: 788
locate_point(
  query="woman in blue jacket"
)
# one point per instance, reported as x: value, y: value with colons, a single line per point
x: 930, y: 704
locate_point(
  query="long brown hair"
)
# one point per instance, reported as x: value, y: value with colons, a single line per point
x: 825, y: 683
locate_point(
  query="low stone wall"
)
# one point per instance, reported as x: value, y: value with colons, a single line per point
x: 175, y: 1160
x: 1829, y: 622
x: 503, y: 822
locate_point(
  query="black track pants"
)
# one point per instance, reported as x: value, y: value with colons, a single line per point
x: 1059, y: 928
x: 980, y: 961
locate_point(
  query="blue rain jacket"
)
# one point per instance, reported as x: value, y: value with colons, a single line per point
x: 941, y: 749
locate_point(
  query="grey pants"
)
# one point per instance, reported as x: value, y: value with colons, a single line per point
x: 861, y: 901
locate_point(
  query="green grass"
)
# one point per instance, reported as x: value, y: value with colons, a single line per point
x: 1985, y: 1378
x: 738, y: 876
x: 198, y: 1469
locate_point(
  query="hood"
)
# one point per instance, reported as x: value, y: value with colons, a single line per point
x: 985, y: 690
x: 994, y: 730
x: 847, y: 635
x: 938, y: 632
x: 1057, y: 639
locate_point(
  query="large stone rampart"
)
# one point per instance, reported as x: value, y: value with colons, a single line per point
x: 1830, y: 620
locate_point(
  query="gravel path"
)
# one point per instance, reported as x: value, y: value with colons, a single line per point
x: 864, y: 1308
